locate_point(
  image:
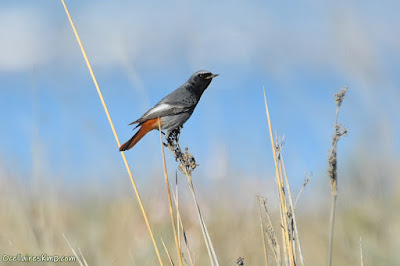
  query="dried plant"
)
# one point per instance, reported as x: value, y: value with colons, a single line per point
x: 292, y: 217
x: 187, y: 164
x: 307, y: 179
x: 166, y: 251
x: 81, y: 260
x: 270, y: 231
x: 240, y: 261
x: 174, y: 227
x: 340, y: 131
x: 289, y: 255
x: 263, y: 235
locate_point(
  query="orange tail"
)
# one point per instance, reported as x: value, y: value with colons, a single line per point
x: 143, y: 130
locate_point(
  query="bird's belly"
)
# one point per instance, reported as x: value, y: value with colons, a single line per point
x: 174, y: 121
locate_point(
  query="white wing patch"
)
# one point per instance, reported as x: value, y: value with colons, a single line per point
x: 160, y: 108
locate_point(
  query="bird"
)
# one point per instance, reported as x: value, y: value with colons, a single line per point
x: 173, y: 110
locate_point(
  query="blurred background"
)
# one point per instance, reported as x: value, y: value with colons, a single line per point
x: 61, y: 171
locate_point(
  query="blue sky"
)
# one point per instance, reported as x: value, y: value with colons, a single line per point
x: 302, y: 53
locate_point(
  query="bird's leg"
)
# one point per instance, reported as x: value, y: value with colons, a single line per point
x: 173, y: 135
x: 187, y: 163
x: 172, y: 138
x: 168, y: 136
x: 178, y: 134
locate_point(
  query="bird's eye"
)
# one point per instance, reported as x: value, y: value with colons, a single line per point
x: 201, y: 75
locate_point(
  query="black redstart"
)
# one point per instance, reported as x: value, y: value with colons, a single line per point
x: 174, y: 110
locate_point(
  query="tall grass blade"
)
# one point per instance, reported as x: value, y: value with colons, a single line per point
x: 281, y: 191
x: 171, y: 210
x: 166, y: 251
x: 113, y: 130
x: 83, y: 257
x: 73, y: 251
x: 340, y: 131
x: 183, y: 228
x: 270, y: 231
x: 206, y: 235
x: 296, y: 232
x: 263, y: 236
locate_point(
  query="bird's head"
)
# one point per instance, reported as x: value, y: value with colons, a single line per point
x: 200, y: 80
x: 203, y: 76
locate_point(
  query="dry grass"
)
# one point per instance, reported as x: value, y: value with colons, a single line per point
x: 270, y: 233
x: 263, y: 235
x: 111, y: 231
x: 340, y: 131
x: 80, y: 258
x: 286, y: 215
x: 187, y: 164
x: 171, y: 209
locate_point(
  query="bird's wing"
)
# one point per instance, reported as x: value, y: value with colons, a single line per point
x: 164, y: 109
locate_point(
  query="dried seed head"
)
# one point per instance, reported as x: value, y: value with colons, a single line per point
x: 187, y: 162
x: 269, y: 230
x: 340, y: 96
x: 240, y: 261
x: 340, y: 131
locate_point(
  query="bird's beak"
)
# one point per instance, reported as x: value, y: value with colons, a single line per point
x: 212, y: 76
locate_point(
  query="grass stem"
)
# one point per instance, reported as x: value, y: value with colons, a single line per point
x: 171, y: 210
x: 263, y: 236
x: 113, y: 130
x: 166, y: 251
x: 206, y: 235
x: 75, y: 254
x: 281, y: 191
x: 296, y: 232
x: 340, y: 131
